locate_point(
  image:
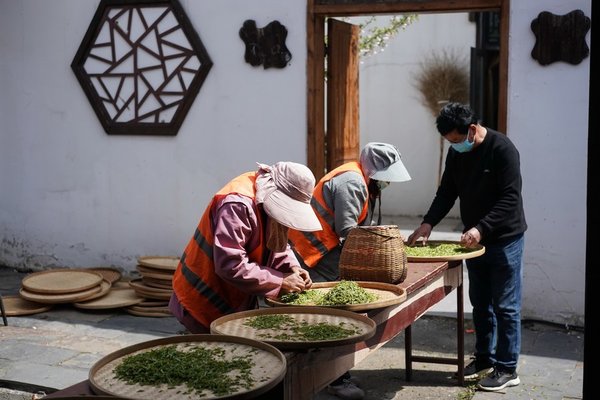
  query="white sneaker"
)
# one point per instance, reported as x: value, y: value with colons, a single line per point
x: 346, y: 390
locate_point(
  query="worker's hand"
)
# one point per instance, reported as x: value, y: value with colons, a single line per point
x: 422, y: 231
x: 470, y: 238
x: 292, y: 282
x: 304, y: 275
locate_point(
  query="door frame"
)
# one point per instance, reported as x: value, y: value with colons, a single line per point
x: 319, y: 10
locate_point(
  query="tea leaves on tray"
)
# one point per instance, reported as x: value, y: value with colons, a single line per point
x: 285, y: 327
x: 436, y: 250
x: 271, y: 321
x: 309, y: 296
x: 325, y: 331
x: 343, y: 293
x: 200, y: 369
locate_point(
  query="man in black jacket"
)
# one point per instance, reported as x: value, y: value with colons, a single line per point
x: 483, y: 171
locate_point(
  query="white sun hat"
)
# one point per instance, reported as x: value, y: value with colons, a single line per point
x: 285, y: 190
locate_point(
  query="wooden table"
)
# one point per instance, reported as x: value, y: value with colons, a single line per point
x: 426, y: 285
x: 310, y: 371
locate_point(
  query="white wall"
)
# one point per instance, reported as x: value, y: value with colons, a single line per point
x: 71, y: 195
x: 548, y: 122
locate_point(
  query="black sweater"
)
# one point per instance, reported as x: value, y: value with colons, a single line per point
x: 487, y: 180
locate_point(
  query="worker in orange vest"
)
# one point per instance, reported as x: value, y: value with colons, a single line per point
x: 343, y: 199
x: 240, y: 250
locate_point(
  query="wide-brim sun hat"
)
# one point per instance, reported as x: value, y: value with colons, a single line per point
x: 285, y: 190
x: 382, y: 162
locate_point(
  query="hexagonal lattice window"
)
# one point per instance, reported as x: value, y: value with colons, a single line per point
x: 141, y: 64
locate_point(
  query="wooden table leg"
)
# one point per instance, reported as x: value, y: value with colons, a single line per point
x: 408, y: 352
x: 460, y: 333
x: 460, y: 340
x: 3, y: 311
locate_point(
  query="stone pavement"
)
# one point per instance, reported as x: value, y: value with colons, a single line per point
x: 57, y: 348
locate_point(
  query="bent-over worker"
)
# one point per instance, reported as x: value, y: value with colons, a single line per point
x: 240, y: 251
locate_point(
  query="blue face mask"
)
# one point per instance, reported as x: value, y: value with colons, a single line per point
x: 464, y: 146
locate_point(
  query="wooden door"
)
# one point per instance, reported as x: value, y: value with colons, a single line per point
x: 343, y: 131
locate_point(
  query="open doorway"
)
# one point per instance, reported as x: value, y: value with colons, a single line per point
x: 320, y: 10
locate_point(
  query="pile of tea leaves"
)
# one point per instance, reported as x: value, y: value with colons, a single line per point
x: 437, y: 250
x: 347, y: 292
x: 285, y: 327
x: 199, y: 369
x: 343, y: 293
x: 310, y: 296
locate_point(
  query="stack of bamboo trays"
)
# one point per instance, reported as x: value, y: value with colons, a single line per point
x: 155, y: 285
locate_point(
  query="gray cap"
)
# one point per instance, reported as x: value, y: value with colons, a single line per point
x: 381, y: 161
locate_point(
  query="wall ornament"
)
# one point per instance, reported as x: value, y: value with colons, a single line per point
x: 560, y: 37
x: 141, y: 64
x: 266, y: 45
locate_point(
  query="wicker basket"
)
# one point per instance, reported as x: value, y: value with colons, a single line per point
x: 374, y: 253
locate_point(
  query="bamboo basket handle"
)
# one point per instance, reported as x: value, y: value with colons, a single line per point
x: 388, y: 237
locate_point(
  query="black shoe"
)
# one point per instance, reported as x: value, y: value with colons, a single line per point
x: 476, y: 370
x: 346, y: 390
x: 498, y: 380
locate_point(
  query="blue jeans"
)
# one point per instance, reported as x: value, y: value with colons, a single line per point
x: 495, y: 292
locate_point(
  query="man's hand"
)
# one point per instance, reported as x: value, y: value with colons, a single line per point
x: 422, y: 231
x: 471, y: 237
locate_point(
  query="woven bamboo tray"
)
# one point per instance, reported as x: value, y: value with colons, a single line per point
x: 111, y: 274
x: 157, y: 283
x: 150, y: 292
x: 115, y: 298
x: 386, y: 293
x: 268, y: 370
x: 61, y: 281
x: 148, y: 312
x: 155, y: 273
x: 87, y: 397
x: 58, y: 298
x: 168, y: 263
x: 234, y: 325
x: 474, y: 252
x: 16, y: 305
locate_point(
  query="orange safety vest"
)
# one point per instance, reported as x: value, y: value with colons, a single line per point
x: 312, y: 246
x: 198, y: 288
